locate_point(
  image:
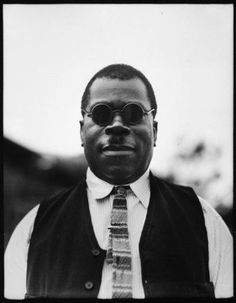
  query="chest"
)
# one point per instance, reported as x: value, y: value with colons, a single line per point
x: 65, y: 252
x: 100, y: 212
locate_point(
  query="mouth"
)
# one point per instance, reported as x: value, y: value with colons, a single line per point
x: 118, y: 150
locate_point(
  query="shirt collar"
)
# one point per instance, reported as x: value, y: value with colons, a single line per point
x: 100, y: 188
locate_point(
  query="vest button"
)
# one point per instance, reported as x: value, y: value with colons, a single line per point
x: 89, y: 285
x: 96, y: 252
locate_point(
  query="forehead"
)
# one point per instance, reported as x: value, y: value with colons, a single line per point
x: 118, y: 91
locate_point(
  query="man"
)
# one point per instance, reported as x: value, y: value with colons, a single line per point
x: 121, y: 232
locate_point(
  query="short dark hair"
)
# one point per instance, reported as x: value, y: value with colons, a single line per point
x: 121, y: 72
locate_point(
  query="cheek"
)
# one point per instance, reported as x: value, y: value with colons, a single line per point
x: 144, y: 137
x: 90, y: 134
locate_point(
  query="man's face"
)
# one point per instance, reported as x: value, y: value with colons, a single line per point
x: 118, y: 153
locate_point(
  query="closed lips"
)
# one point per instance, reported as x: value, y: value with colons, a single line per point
x: 118, y: 148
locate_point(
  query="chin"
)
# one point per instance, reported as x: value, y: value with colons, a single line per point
x: 118, y: 176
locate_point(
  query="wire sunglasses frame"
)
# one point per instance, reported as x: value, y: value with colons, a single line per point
x: 124, y: 112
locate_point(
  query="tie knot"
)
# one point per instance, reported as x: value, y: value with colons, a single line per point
x: 121, y: 190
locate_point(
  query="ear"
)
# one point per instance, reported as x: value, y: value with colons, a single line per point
x: 155, y: 130
x: 82, y: 132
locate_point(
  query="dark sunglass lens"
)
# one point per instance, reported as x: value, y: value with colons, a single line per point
x: 101, y: 114
x: 132, y: 113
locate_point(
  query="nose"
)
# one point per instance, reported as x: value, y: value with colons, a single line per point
x: 117, y: 126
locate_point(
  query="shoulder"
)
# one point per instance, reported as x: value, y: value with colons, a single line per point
x: 208, y: 210
x: 216, y: 227
x: 23, y: 230
x: 61, y: 196
x: 18, y: 244
x: 178, y: 199
x: 61, y: 203
x: 171, y: 188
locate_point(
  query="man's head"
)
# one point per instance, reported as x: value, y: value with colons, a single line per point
x: 118, y: 145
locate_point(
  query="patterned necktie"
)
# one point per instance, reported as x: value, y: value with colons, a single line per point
x: 119, y: 253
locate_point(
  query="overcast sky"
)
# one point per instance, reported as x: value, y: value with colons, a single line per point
x: 52, y: 51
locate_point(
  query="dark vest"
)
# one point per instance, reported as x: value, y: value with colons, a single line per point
x: 65, y: 260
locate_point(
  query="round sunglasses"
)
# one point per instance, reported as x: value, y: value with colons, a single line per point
x: 131, y: 113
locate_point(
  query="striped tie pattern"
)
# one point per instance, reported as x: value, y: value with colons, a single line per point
x: 118, y: 252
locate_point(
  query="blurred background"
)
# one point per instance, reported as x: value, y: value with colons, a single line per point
x: 52, y: 51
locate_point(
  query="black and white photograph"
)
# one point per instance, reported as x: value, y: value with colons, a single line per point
x: 118, y: 151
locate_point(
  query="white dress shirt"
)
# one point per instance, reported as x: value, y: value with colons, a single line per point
x: 220, y: 242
